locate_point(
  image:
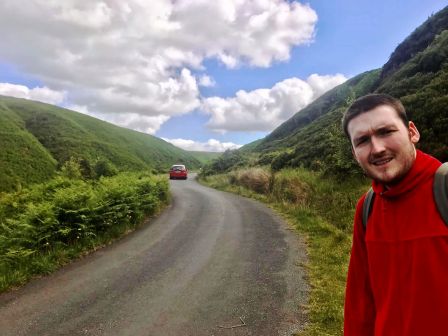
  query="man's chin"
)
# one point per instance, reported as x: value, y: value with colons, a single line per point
x: 384, y: 177
x: 387, y: 179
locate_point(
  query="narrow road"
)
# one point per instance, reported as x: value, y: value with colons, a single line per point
x: 211, y: 261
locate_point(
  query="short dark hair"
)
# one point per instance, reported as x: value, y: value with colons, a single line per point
x: 369, y: 102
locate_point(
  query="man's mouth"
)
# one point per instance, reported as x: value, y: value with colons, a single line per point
x: 380, y: 162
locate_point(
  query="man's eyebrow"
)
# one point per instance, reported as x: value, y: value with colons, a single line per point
x: 361, y: 137
x: 384, y: 127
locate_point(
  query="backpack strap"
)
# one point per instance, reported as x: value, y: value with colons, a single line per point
x: 440, y: 189
x: 367, y: 207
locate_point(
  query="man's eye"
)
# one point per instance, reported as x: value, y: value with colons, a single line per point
x: 386, y: 131
x: 361, y: 141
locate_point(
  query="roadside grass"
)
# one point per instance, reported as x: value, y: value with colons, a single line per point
x: 48, y: 225
x: 321, y: 210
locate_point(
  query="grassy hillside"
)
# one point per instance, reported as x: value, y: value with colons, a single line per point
x: 311, y: 138
x: 330, y: 101
x: 419, y: 40
x: 22, y: 156
x: 314, y: 144
x: 37, y: 138
x: 204, y: 157
x: 422, y: 84
x: 416, y: 73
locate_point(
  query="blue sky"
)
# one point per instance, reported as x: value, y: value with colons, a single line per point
x: 205, y: 76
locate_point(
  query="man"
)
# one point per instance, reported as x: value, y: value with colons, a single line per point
x: 398, y: 274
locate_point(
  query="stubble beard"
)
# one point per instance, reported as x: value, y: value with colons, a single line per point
x: 393, y: 174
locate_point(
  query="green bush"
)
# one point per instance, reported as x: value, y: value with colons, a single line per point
x: 69, y: 212
x: 104, y: 168
x: 71, y: 169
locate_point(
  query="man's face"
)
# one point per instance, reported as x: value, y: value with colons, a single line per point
x: 382, y: 144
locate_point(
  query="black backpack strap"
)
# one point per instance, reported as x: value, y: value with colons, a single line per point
x: 367, y: 207
x: 440, y: 189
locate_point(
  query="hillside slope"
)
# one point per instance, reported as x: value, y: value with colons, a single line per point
x: 416, y: 73
x: 37, y: 138
x: 204, y: 157
x: 22, y: 156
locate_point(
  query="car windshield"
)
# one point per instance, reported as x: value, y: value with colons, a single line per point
x: 178, y: 167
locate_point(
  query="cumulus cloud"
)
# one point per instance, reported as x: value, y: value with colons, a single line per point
x: 265, y: 109
x: 211, y: 145
x: 322, y: 84
x: 137, y: 122
x: 134, y: 57
x: 206, y: 81
x: 42, y: 94
x: 78, y: 108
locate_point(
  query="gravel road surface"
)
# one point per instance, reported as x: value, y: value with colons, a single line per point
x: 212, y: 263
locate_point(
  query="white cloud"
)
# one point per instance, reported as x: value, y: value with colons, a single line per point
x: 206, y: 81
x: 265, y: 109
x: 322, y: 84
x: 211, y: 145
x: 78, y: 108
x: 136, y: 57
x: 42, y: 94
x: 137, y: 122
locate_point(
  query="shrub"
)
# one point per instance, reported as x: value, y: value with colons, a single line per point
x: 69, y: 212
x: 281, y: 161
x: 256, y: 179
x: 71, y: 169
x: 288, y: 186
x: 104, y: 168
x: 86, y: 168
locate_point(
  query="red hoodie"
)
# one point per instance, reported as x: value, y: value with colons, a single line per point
x: 398, y: 274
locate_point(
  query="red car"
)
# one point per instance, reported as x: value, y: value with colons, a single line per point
x: 178, y: 172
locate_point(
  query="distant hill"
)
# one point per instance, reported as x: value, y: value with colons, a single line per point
x: 37, y: 138
x: 416, y: 72
x: 204, y: 157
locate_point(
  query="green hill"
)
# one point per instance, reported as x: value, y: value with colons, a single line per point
x: 204, y: 157
x: 417, y: 73
x: 37, y: 138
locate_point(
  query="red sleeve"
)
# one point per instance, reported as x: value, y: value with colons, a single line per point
x: 359, y: 310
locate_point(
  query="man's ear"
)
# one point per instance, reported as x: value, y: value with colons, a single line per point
x: 414, y: 134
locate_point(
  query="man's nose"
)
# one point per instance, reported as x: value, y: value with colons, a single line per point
x: 377, y: 145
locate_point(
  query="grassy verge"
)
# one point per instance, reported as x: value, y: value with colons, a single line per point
x: 322, y: 211
x: 46, y: 226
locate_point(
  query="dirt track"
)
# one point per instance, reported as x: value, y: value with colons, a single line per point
x: 211, y: 260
